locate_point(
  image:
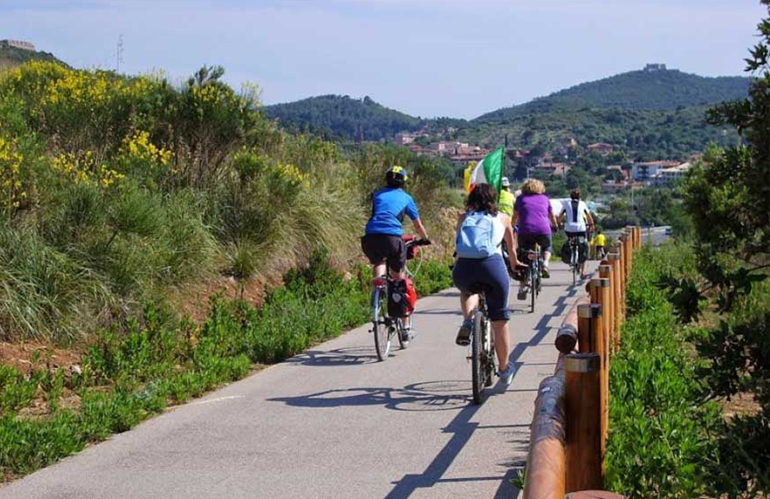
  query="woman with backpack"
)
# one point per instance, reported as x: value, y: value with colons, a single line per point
x: 481, y: 231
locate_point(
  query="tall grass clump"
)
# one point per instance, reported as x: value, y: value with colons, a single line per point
x: 121, y: 188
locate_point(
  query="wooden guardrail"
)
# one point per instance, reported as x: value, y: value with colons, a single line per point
x: 571, y: 421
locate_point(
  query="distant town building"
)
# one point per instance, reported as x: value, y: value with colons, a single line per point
x: 654, y: 67
x: 644, y: 172
x: 405, y: 138
x: 666, y: 176
x: 601, y: 148
x: 19, y: 44
x: 624, y: 174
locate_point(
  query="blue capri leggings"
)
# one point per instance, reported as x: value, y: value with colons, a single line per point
x: 472, y: 275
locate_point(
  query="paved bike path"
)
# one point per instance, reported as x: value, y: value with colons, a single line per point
x: 334, y: 422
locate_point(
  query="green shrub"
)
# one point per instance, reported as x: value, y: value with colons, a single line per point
x: 662, y: 430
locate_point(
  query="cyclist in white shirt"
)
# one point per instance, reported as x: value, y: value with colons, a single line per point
x: 577, y: 220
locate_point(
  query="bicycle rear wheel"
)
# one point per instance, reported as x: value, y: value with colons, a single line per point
x: 533, y: 288
x: 380, y: 327
x: 489, y: 349
x: 478, y: 361
x: 574, y: 265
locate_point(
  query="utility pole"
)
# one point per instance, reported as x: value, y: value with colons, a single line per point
x: 119, y: 53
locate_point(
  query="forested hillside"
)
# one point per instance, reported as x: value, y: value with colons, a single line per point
x: 12, y: 56
x: 343, y: 117
x: 635, y: 90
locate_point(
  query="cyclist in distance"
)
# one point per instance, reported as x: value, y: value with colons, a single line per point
x: 481, y: 232
x: 506, y: 198
x: 600, y: 243
x: 383, y: 241
x: 577, y: 220
x: 533, y: 213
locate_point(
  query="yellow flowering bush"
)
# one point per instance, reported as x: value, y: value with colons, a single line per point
x: 84, y: 168
x: 137, y: 148
x: 290, y: 174
x: 98, y: 107
x: 11, y: 175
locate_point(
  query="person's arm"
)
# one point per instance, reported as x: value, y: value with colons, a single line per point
x: 554, y: 222
x: 590, y: 219
x: 510, y: 240
x: 460, y: 219
x: 411, y: 211
x: 420, y: 228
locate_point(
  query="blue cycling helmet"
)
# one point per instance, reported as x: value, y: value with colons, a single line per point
x: 396, y: 176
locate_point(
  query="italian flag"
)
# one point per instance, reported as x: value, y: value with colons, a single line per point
x: 487, y: 171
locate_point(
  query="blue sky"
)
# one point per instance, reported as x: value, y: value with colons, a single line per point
x: 457, y: 58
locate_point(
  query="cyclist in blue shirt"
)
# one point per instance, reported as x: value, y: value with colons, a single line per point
x: 383, y: 240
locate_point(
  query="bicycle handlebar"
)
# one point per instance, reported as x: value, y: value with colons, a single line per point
x: 419, y: 242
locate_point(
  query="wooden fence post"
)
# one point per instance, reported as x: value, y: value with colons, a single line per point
x: 587, y: 335
x: 614, y: 259
x: 584, y: 458
x: 605, y: 272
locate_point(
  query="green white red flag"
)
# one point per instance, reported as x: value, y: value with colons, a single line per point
x: 488, y: 171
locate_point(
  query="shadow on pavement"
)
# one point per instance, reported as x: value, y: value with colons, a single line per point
x: 424, y: 396
x: 462, y: 429
x: 350, y: 356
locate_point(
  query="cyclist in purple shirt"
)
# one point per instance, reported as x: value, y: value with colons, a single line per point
x: 534, y: 216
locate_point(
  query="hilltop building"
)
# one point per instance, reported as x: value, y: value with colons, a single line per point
x: 19, y: 44
x: 649, y: 68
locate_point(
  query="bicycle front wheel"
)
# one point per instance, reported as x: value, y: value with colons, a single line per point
x: 380, y: 327
x: 478, y: 361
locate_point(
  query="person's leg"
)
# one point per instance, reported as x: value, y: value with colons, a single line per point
x: 396, y: 257
x: 497, y: 307
x: 468, y: 303
x: 378, y: 269
x: 545, y: 243
x: 502, y: 343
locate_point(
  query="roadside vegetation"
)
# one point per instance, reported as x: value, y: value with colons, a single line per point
x: 125, y: 200
x: 690, y: 405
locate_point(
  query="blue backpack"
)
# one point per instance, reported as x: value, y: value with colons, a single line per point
x: 477, y: 236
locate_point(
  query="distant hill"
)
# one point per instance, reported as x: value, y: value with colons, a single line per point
x: 11, y: 57
x: 633, y: 91
x: 343, y: 117
x: 649, y: 113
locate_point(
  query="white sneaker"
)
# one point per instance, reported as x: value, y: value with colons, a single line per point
x: 506, y: 377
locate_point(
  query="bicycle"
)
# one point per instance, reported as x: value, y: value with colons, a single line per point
x: 575, y: 242
x: 384, y: 326
x: 535, y: 276
x: 482, y: 345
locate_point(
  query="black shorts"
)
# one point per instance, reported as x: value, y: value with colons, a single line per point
x: 381, y: 248
x: 527, y: 242
x: 575, y: 234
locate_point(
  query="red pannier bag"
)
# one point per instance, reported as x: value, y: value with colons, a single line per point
x: 411, y: 296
